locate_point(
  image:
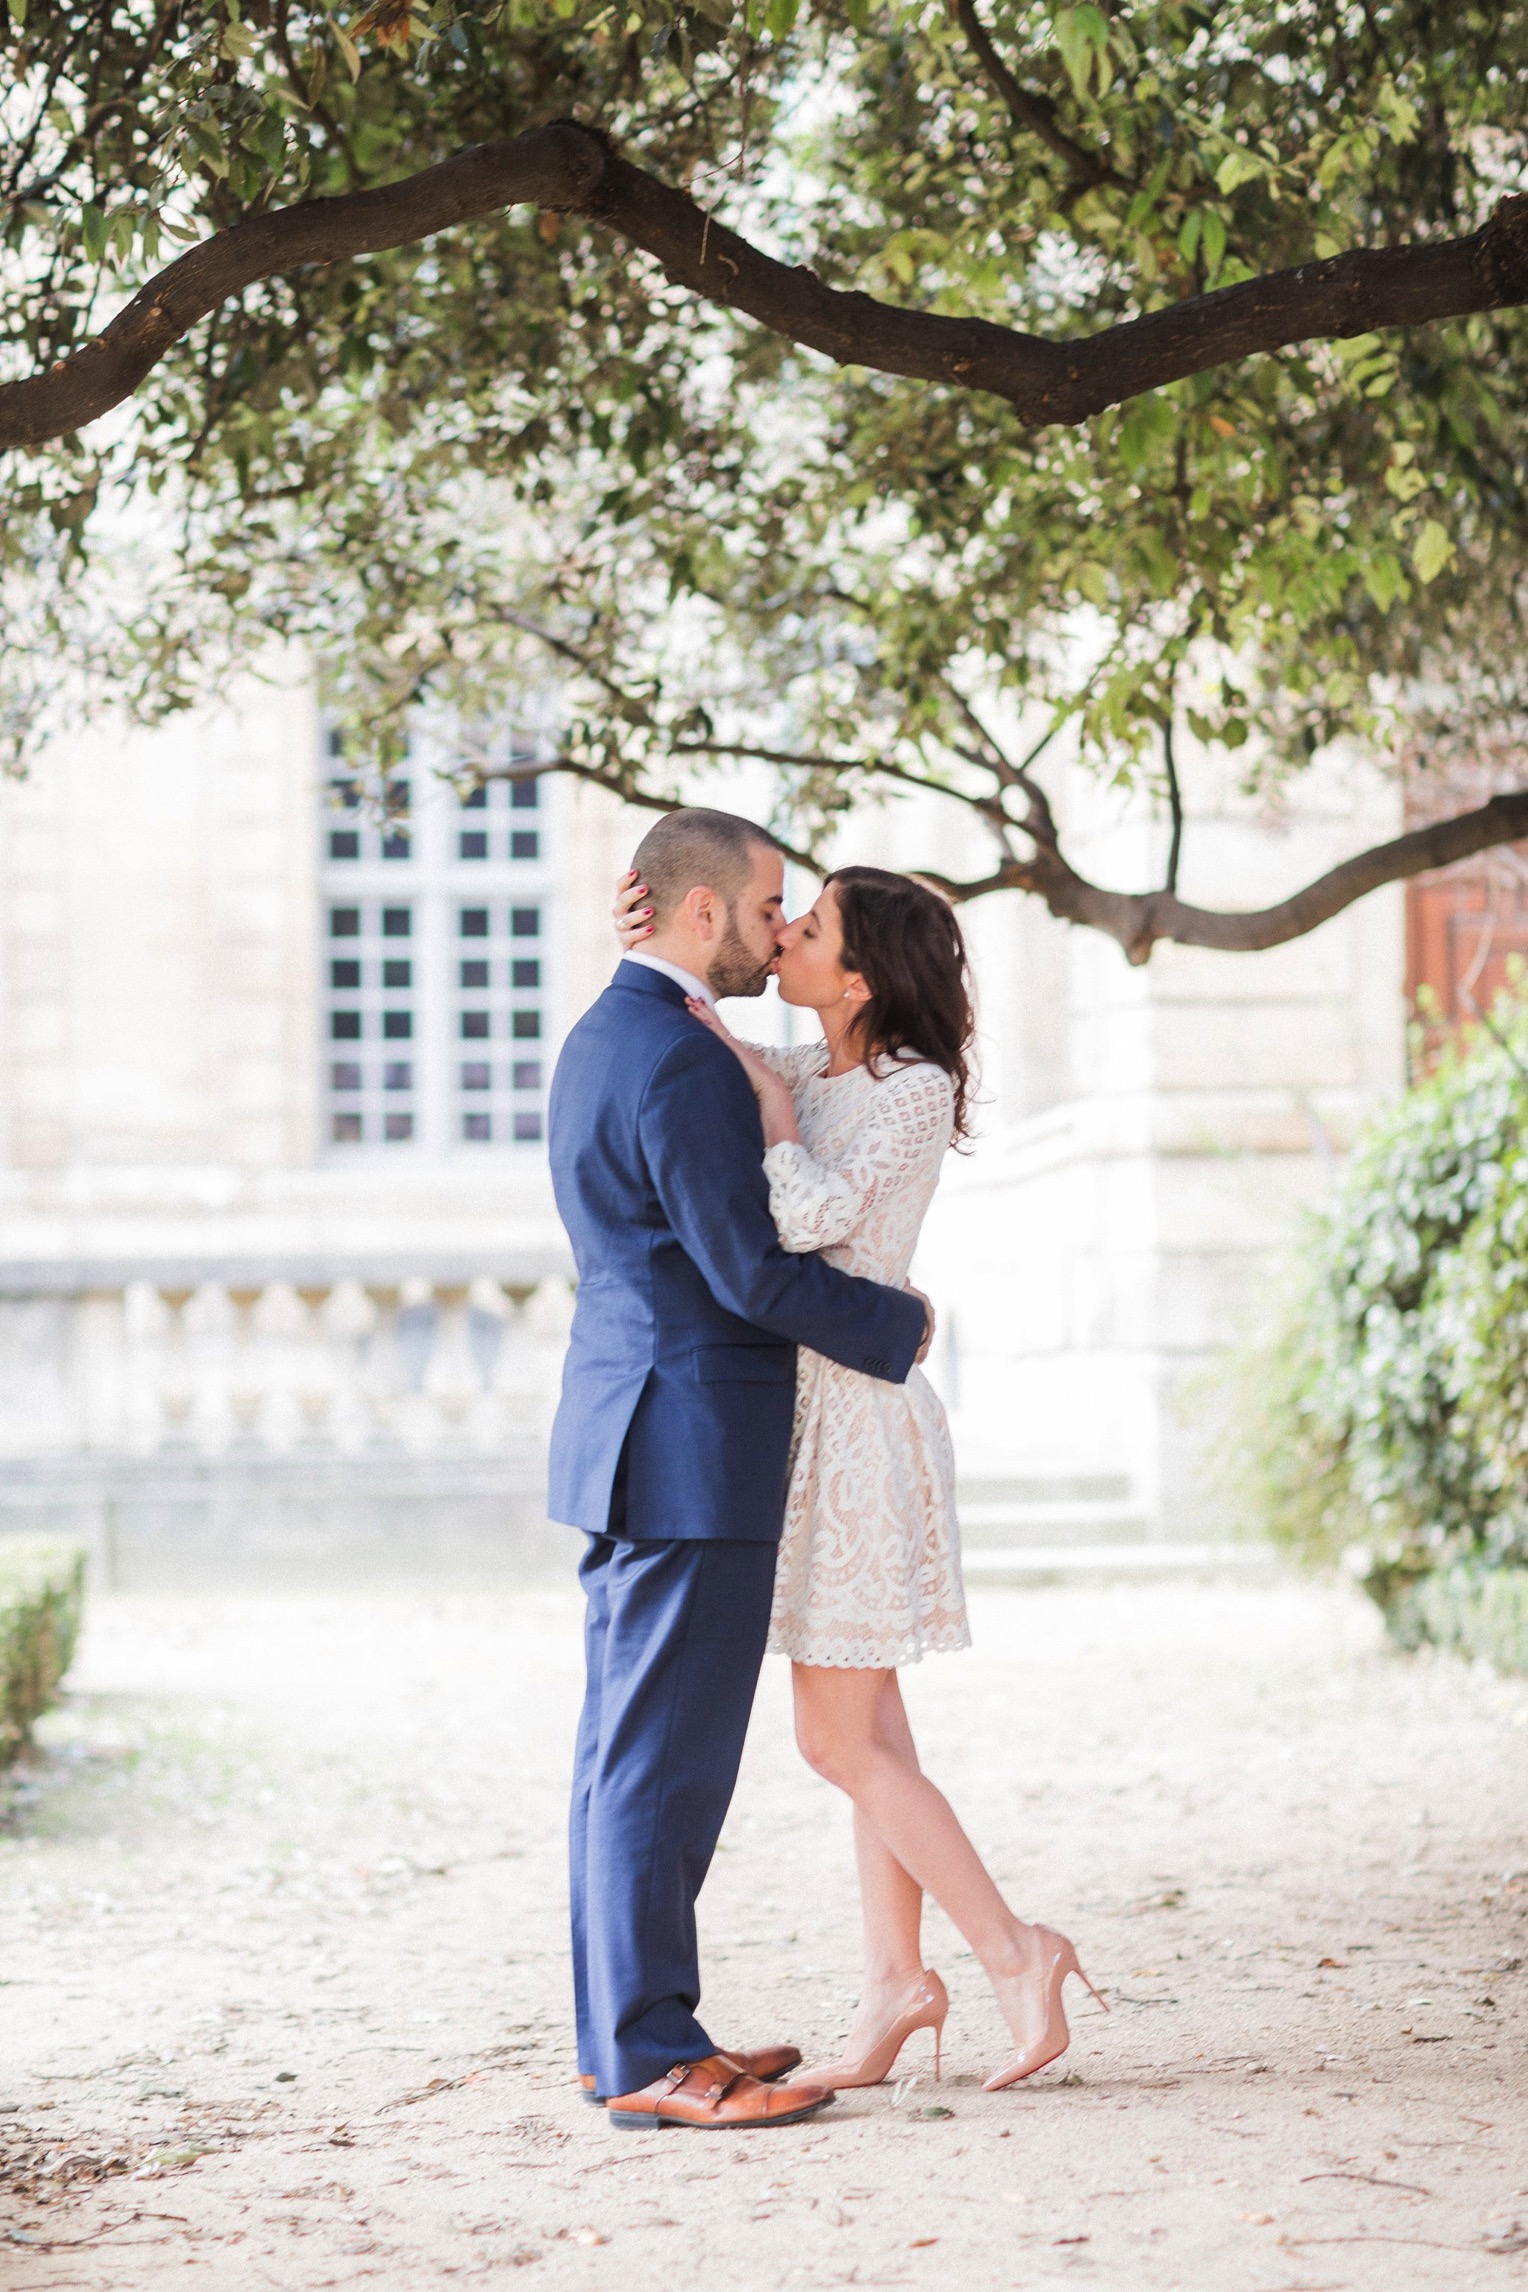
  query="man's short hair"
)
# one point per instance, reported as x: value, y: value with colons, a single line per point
x: 716, y: 849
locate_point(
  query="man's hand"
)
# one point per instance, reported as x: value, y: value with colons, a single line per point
x: 928, y: 1325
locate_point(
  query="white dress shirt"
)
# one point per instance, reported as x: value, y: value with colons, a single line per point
x: 685, y: 979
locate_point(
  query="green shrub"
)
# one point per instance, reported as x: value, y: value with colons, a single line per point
x: 1390, y: 1407
x: 42, y: 1590
x: 1478, y: 1612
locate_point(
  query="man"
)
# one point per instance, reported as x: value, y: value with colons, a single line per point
x: 671, y: 1450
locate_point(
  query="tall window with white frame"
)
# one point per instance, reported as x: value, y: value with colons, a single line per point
x: 436, y: 948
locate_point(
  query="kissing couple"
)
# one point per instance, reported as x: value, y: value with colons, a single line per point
x: 756, y: 1459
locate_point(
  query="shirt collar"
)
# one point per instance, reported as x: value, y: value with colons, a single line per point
x: 685, y: 979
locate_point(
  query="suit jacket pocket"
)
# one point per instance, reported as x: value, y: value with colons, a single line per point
x: 745, y: 1364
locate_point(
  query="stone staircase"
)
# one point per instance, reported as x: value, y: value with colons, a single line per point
x: 1081, y: 1527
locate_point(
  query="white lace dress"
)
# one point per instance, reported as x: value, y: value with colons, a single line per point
x: 869, y: 1568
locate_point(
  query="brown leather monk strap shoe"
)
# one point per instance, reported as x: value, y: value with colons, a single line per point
x: 765, y: 2062
x: 714, y: 2095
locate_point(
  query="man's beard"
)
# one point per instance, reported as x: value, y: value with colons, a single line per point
x: 734, y: 969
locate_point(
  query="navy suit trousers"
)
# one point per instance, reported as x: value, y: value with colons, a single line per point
x: 674, y: 1638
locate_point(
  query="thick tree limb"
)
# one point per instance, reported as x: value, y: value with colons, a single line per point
x: 573, y: 169
x: 1137, y: 920
x: 556, y: 166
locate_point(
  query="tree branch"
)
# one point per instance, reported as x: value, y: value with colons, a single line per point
x: 1031, y: 114
x: 1137, y: 920
x: 602, y: 776
x: 1175, y: 807
x: 573, y: 169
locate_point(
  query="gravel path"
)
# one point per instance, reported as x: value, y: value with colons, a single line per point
x: 283, y: 1994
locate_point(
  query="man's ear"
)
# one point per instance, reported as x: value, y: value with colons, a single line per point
x: 700, y: 906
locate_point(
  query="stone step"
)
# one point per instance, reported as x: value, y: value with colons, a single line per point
x: 1028, y: 1563
x: 1045, y: 1488
x: 1077, y: 1520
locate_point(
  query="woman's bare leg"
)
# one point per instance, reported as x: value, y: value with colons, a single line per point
x: 852, y: 1728
x: 891, y: 1903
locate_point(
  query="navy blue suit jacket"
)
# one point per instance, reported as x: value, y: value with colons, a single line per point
x: 689, y: 1312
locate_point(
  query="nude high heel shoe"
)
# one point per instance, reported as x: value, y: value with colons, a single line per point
x: 926, y: 2006
x: 1057, y: 1960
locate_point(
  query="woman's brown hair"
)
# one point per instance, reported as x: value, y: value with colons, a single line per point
x: 905, y: 943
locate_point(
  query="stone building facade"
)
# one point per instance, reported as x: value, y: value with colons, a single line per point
x: 279, y: 1264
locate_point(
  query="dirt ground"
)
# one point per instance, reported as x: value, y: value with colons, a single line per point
x: 283, y: 1993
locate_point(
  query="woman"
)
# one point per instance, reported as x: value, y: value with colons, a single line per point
x: 855, y: 1128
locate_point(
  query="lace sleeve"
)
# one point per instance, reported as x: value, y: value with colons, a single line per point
x: 793, y: 1065
x: 813, y: 1206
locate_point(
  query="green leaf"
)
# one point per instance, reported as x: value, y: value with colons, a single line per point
x: 1213, y: 239
x: 1385, y: 579
x: 348, y: 49
x: 780, y: 18
x: 93, y: 231
x: 1082, y: 35
x: 1431, y: 551
x: 1149, y: 421
x: 1236, y: 168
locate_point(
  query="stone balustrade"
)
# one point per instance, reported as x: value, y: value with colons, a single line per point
x: 347, y: 1367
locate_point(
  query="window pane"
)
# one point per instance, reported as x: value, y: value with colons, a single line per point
x: 396, y: 974
x: 395, y: 847
x: 524, y: 974
x: 344, y: 844
x: 336, y: 743
x: 475, y: 1026
x: 397, y: 922
x: 527, y: 1126
x: 397, y: 1026
x: 525, y: 922
x: 398, y: 1074
x: 344, y: 974
x: 474, y: 974
x: 475, y: 1076
x: 398, y: 795
x: 344, y: 1026
x: 528, y: 1074
x: 524, y: 795
x: 473, y: 922
x: 344, y: 923
x: 395, y: 1126
x: 344, y: 1075
x: 471, y: 845
x: 477, y: 1126
x: 346, y: 794
x: 476, y: 801
x: 523, y: 844
x: 346, y: 1129
x: 526, y: 1026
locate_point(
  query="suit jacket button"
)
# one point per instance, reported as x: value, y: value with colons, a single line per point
x: 875, y: 1366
